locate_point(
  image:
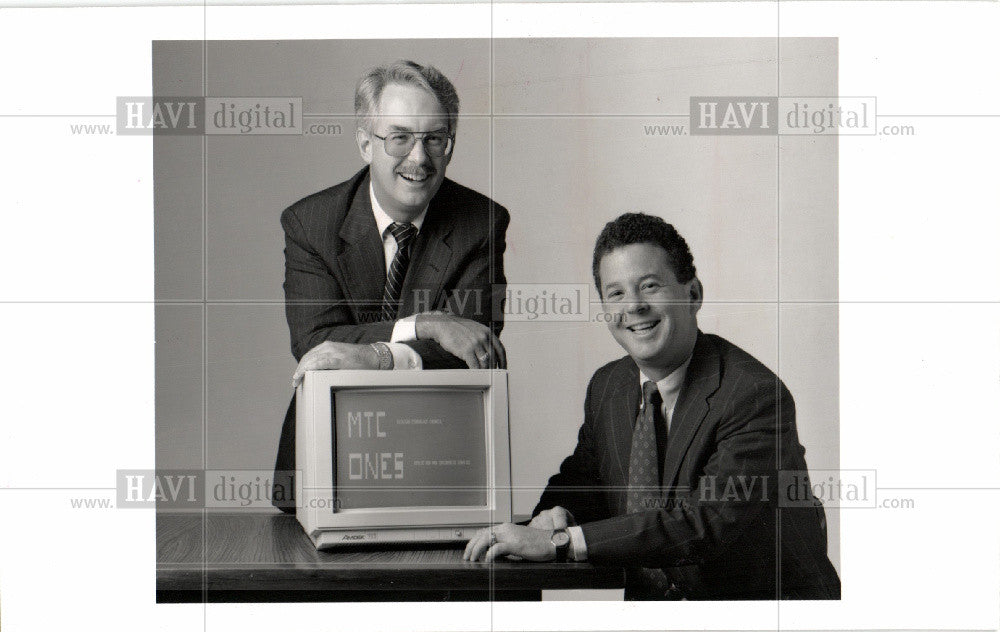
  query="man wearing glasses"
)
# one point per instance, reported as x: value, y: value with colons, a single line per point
x: 398, y: 267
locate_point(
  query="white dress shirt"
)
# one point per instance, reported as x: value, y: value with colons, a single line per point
x: 670, y: 388
x: 403, y: 356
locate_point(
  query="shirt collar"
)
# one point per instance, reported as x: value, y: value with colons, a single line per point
x: 669, y: 386
x: 382, y: 219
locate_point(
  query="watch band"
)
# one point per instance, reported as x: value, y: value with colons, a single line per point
x: 561, y: 540
x: 381, y: 349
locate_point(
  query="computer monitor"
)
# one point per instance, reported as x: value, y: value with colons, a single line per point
x: 401, y: 456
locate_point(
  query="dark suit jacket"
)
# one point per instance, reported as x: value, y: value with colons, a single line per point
x: 335, y: 277
x: 715, y: 534
x: 335, y: 266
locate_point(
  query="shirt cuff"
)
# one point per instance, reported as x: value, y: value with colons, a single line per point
x: 404, y: 329
x: 577, y: 544
x: 404, y: 358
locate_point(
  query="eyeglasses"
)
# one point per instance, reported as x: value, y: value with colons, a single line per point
x: 399, y: 144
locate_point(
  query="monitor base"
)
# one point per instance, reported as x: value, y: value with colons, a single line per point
x: 331, y: 538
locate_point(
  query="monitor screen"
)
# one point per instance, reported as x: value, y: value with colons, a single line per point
x: 409, y: 447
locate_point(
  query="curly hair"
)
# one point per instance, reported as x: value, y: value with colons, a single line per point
x: 639, y: 228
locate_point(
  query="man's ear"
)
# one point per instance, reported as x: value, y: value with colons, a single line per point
x: 447, y: 159
x: 697, y: 294
x: 365, y: 141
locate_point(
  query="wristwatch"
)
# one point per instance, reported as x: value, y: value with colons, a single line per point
x: 560, y: 539
x: 381, y: 349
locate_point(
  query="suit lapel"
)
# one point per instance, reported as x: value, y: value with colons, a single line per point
x: 429, y: 260
x: 700, y: 382
x: 623, y: 406
x: 362, y: 261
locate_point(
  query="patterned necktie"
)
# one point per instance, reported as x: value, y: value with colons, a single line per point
x: 644, y: 478
x: 643, y: 466
x: 403, y: 234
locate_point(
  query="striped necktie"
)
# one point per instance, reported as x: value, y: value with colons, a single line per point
x: 403, y: 234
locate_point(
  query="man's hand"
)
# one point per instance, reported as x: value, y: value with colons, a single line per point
x: 531, y: 544
x: 552, y: 519
x: 335, y: 355
x: 467, y: 339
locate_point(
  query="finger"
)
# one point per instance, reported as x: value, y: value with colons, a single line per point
x: 324, y: 362
x: 484, y: 355
x: 566, y: 514
x: 500, y: 354
x: 470, y: 544
x: 498, y: 549
x: 471, y: 359
x: 475, y: 543
x: 300, y: 372
x: 480, y: 548
x: 484, y: 351
x: 559, y: 520
x: 540, y: 522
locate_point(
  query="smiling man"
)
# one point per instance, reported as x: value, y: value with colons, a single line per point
x: 397, y: 267
x: 675, y: 472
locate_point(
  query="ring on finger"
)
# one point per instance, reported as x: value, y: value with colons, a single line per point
x: 493, y: 538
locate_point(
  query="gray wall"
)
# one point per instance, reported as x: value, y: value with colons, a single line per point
x: 567, y: 153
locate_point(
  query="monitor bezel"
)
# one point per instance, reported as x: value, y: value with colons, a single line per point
x: 315, y: 448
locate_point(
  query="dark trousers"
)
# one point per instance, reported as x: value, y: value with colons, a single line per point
x: 283, y: 488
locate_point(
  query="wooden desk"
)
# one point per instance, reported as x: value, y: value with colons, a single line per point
x: 265, y: 557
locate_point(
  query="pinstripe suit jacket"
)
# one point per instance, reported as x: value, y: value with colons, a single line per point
x: 713, y: 532
x: 335, y: 266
